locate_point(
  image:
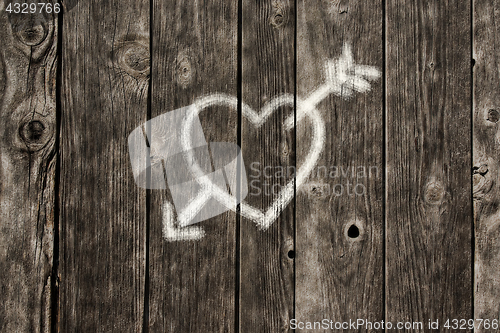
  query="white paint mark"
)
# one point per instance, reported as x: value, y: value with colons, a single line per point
x: 343, y: 78
x: 194, y: 207
x: 171, y: 233
x: 263, y: 219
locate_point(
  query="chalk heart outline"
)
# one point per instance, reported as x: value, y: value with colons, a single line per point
x: 265, y: 218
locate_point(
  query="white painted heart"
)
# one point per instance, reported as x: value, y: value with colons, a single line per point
x: 209, y: 190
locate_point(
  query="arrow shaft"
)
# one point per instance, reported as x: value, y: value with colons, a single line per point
x: 309, y: 104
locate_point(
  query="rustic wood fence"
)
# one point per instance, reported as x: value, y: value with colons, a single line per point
x: 83, y: 248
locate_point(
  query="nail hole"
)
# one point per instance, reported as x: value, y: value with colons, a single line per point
x: 353, y: 231
x: 291, y: 254
x: 493, y: 116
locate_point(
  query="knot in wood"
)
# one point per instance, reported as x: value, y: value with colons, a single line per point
x: 35, y: 134
x: 481, y: 186
x: 31, y: 31
x: 184, y: 71
x: 279, y: 15
x: 493, y: 116
x: 34, y: 130
x: 317, y: 189
x: 277, y: 20
x: 134, y: 58
x: 137, y: 59
x: 434, y: 193
x: 284, y: 151
x: 354, y: 230
x: 32, y: 36
x: 479, y: 182
x: 481, y: 169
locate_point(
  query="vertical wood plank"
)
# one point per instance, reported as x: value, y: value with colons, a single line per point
x: 268, y: 72
x: 486, y: 150
x: 429, y: 209
x: 28, y: 59
x: 105, y: 73
x: 194, y: 54
x: 340, y: 208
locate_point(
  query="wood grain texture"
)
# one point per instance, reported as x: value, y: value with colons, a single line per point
x: 401, y: 250
x: 429, y: 209
x: 194, y: 52
x: 28, y: 59
x: 486, y: 169
x: 268, y: 71
x: 340, y: 272
x: 104, y: 91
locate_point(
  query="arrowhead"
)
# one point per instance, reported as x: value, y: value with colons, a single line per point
x: 172, y: 233
x: 344, y: 76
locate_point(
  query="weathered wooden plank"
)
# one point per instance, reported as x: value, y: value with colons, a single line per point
x: 104, y: 92
x: 28, y: 58
x: 486, y: 101
x: 428, y: 201
x: 268, y: 74
x: 194, y: 54
x: 340, y: 213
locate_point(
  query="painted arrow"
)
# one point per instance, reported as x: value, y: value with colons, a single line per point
x: 343, y: 79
